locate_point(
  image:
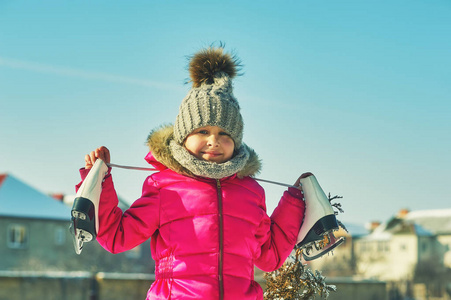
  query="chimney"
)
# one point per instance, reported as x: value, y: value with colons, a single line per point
x: 2, y: 177
x: 403, y: 213
x: 59, y: 197
x: 371, y: 226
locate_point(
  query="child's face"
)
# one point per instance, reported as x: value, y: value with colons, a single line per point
x: 210, y: 143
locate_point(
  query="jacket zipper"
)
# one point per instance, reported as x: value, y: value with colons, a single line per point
x: 221, y: 240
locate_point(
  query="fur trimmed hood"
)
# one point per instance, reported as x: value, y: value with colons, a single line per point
x: 160, y: 138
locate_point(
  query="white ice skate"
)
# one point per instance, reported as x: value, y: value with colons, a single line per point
x: 316, y: 236
x: 85, y: 223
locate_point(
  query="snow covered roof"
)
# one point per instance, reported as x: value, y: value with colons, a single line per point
x: 356, y: 230
x: 379, y: 233
x: 421, y: 223
x: 437, y: 221
x: 18, y: 199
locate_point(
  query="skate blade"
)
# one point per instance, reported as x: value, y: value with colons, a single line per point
x: 76, y: 239
x: 78, y: 245
x: 317, y: 249
x: 79, y: 236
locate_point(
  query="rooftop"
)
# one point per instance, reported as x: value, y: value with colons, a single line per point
x: 420, y: 223
x: 437, y: 221
x: 18, y: 199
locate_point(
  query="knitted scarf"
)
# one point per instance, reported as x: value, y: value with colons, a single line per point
x: 208, y: 169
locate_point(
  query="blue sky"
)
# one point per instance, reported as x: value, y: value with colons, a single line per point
x: 357, y: 92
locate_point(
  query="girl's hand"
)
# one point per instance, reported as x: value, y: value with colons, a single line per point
x: 102, y: 152
x: 298, y: 182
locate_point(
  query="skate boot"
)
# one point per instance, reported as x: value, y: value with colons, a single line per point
x: 316, y: 236
x: 85, y: 223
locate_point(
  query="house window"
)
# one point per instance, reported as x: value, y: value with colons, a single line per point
x: 380, y: 246
x: 60, y: 236
x: 363, y: 247
x: 134, y: 253
x: 425, y: 246
x: 17, y: 236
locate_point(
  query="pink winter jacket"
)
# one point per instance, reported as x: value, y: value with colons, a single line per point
x: 206, y: 234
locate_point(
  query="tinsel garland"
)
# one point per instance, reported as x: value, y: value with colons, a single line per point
x: 295, y: 281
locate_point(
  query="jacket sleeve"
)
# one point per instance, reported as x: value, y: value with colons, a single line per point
x: 277, y: 234
x: 121, y: 231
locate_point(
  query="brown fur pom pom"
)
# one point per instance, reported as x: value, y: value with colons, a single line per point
x: 205, y: 64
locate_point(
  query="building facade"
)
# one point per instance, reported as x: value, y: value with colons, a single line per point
x: 35, y: 236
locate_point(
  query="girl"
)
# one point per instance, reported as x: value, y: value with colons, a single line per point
x: 204, y: 212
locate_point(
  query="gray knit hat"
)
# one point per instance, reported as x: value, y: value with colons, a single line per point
x: 210, y: 102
